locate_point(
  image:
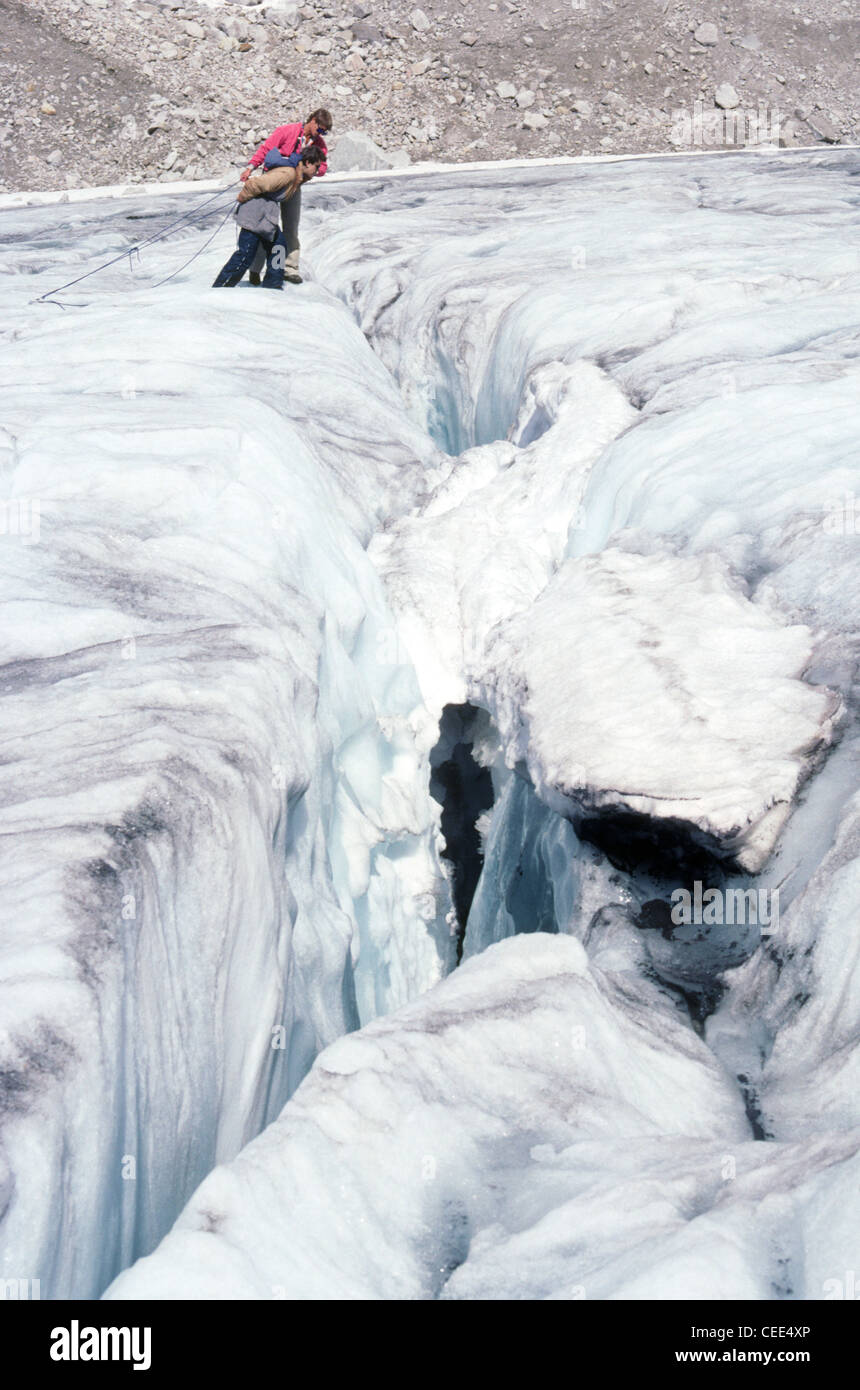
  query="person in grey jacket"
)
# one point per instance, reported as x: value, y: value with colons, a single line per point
x: 258, y: 207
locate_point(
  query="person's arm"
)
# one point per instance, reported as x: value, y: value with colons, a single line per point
x: 320, y: 144
x: 270, y: 182
x: 278, y: 137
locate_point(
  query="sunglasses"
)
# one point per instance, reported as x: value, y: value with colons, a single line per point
x: 321, y: 130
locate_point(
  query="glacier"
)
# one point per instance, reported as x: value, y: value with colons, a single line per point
x: 529, y: 522
x: 219, y: 853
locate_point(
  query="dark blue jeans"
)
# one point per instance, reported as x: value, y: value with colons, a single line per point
x: 243, y: 257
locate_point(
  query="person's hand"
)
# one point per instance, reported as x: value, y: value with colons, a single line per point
x: 246, y: 174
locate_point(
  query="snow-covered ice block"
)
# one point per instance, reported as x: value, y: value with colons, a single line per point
x: 529, y: 1129
x: 650, y: 684
x: 409, y: 1135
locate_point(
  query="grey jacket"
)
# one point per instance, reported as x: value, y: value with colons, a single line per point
x: 260, y: 198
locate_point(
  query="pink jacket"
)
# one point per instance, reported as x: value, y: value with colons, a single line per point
x: 288, y: 139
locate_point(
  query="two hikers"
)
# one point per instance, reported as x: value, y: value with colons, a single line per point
x: 284, y: 147
x: 259, y: 211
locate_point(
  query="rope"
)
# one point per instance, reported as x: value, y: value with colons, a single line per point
x: 227, y: 214
x: 135, y: 250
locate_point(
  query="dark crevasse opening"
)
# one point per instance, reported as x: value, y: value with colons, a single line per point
x: 638, y: 844
x: 464, y: 790
x: 597, y: 874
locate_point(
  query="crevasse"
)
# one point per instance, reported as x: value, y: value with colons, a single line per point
x: 625, y: 557
x: 220, y: 851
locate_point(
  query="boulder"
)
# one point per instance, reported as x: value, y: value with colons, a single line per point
x: 355, y: 150
x: 726, y: 97
x: 822, y: 129
x: 366, y: 33
x: 707, y: 35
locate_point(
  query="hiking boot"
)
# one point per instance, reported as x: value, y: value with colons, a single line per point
x: 294, y: 277
x: 254, y: 277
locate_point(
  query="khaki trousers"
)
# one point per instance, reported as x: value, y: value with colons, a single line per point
x: 290, y: 213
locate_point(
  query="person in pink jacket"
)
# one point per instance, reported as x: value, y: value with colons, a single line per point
x: 284, y: 146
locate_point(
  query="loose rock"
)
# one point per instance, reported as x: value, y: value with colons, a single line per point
x: 750, y: 42
x: 726, y: 97
x: 122, y: 66
x: 822, y: 128
x: 707, y: 35
x: 366, y: 33
x: 355, y: 150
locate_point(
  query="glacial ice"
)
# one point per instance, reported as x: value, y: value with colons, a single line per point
x: 573, y: 447
x: 660, y: 714
x: 220, y: 852
x: 533, y: 1127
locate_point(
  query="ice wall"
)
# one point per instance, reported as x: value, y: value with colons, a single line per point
x: 219, y: 846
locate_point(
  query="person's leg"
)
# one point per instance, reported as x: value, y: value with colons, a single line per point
x: 276, y: 251
x: 257, y: 265
x: 290, y: 214
x: 231, y: 273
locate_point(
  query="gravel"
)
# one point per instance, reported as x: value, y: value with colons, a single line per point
x: 103, y: 91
